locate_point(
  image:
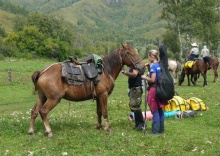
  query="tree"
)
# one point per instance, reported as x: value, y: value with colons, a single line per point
x: 171, y: 13
x: 170, y: 39
x: 196, y: 18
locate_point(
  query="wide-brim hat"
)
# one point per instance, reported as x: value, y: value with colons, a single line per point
x: 194, y: 45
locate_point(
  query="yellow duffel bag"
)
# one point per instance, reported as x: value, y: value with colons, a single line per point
x: 178, y: 103
x: 168, y: 107
x: 197, y: 104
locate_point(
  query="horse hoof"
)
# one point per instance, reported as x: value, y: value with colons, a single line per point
x: 111, y: 131
x: 99, y: 127
x: 49, y: 134
x: 31, y: 132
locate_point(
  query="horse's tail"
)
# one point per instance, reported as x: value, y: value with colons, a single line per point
x: 35, y: 76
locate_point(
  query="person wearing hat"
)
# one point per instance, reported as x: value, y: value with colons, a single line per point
x: 194, y: 52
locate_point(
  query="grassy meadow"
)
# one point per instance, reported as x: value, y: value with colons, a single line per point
x: 73, y: 123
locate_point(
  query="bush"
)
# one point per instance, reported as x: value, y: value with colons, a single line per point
x: 2, y: 57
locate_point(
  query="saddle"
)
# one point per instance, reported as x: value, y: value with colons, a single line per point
x: 83, y: 71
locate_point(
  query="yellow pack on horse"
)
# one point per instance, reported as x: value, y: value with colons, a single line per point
x: 189, y: 64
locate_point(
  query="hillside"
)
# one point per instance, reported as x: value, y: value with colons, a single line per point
x: 136, y: 18
x: 6, y: 20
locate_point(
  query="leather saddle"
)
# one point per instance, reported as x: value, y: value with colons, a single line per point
x: 79, y: 71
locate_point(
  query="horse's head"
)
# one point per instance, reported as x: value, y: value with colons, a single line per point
x: 131, y: 58
x: 181, y: 77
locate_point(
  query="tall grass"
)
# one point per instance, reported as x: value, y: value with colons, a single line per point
x: 73, y: 123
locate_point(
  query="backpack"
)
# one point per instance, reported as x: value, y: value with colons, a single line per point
x: 165, y: 86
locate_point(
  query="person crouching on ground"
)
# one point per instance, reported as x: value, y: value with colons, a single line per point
x: 155, y: 105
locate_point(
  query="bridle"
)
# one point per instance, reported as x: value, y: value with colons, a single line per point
x: 128, y: 56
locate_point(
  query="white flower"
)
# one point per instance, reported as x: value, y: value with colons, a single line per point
x: 6, y: 152
x: 64, y: 153
x: 30, y: 153
x: 194, y: 149
x: 202, y: 152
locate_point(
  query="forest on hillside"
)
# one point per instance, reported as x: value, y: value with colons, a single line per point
x: 56, y: 29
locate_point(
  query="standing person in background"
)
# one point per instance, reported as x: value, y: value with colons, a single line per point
x: 194, y: 52
x: 135, y: 96
x: 155, y: 105
x: 204, y: 52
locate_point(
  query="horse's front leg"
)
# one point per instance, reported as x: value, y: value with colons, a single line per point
x: 174, y: 77
x: 205, y: 81
x: 99, y: 114
x: 47, y: 107
x: 188, y: 79
x: 104, y: 110
x: 193, y: 79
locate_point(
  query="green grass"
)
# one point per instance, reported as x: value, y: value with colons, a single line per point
x: 73, y: 123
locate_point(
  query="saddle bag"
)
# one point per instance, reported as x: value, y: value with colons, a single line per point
x: 90, y: 70
x: 189, y: 64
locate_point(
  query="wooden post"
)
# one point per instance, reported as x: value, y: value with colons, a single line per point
x: 9, y: 75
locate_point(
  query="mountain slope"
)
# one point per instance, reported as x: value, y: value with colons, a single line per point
x: 6, y: 20
x: 130, y: 14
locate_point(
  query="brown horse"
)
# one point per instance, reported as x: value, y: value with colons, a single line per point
x: 51, y: 87
x: 200, y: 66
x: 213, y: 64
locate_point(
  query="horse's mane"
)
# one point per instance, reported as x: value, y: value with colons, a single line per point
x: 110, y: 61
x: 208, y: 59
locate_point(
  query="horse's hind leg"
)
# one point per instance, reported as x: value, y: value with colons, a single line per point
x: 34, y: 113
x: 47, y: 107
x: 215, y: 75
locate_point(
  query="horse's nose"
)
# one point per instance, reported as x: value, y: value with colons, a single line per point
x: 141, y: 69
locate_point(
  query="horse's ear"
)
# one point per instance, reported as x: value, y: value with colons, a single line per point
x: 124, y: 45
